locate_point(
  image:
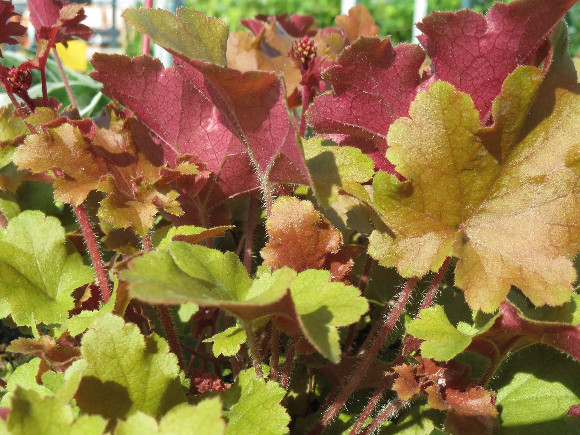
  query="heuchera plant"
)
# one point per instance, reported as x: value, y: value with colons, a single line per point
x: 295, y: 229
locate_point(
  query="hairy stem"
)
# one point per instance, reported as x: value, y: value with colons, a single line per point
x: 364, y: 365
x: 306, y: 95
x: 430, y: 295
x: 362, y: 285
x: 43, y: 81
x: 250, y: 234
x: 69, y: 91
x: 275, y: 350
x: 285, y: 378
x: 385, y: 385
x: 167, y: 321
x: 253, y: 349
x: 383, y: 416
x: 94, y: 252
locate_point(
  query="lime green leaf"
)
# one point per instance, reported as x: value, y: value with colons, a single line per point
x: 442, y: 340
x: 32, y: 413
x: 253, y: 406
x: 127, y: 372
x: 204, y: 418
x: 9, y: 205
x: 192, y: 273
x: 227, y: 342
x: 459, y: 200
x: 25, y: 377
x: 535, y: 390
x: 322, y: 306
x: 188, y: 33
x: 38, y: 270
x: 420, y: 420
x: 332, y: 166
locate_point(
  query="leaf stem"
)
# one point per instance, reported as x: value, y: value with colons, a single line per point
x: 275, y: 353
x: 69, y: 91
x: 362, y: 285
x: 364, y: 365
x: 145, y: 42
x: 285, y: 378
x: 385, y: 384
x: 383, y: 416
x: 250, y: 224
x: 430, y: 295
x: 253, y: 349
x: 306, y: 94
x: 167, y: 321
x: 94, y: 252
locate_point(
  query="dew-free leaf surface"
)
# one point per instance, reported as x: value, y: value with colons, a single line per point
x: 510, y: 222
x: 38, y: 270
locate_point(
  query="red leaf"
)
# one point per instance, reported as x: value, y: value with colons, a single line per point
x: 47, y: 15
x: 512, y: 331
x: 237, y: 124
x: 8, y: 28
x: 374, y: 85
x: 476, y: 53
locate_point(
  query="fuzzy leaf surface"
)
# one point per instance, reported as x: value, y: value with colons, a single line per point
x: 374, y: 84
x: 127, y: 372
x: 205, y: 417
x: 187, y: 32
x: 476, y: 53
x: 38, y: 270
x: 459, y: 199
x: 332, y: 167
x: 253, y: 406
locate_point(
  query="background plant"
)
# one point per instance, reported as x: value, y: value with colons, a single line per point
x: 294, y: 228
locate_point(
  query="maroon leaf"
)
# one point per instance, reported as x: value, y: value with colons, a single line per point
x: 476, y: 53
x: 296, y: 25
x: 47, y: 15
x: 8, y: 28
x: 374, y: 85
x: 511, y: 331
x: 237, y: 124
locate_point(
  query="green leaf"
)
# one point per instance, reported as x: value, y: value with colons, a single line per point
x: 127, y: 372
x: 460, y: 200
x: 192, y: 273
x: 332, y: 166
x: 38, y: 270
x: 32, y: 413
x: 420, y: 420
x: 228, y: 342
x: 188, y: 33
x: 25, y: 377
x: 203, y: 418
x: 253, y: 406
x: 535, y: 390
x: 442, y: 341
x: 322, y: 306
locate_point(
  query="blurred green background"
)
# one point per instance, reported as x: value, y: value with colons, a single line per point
x: 394, y: 17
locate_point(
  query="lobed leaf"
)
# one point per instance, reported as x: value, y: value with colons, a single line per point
x: 252, y: 405
x: 126, y: 372
x: 32, y: 413
x: 38, y: 270
x: 205, y: 417
x: 460, y: 201
x: 193, y: 273
x: 374, y: 84
x: 187, y: 32
x: 476, y: 53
